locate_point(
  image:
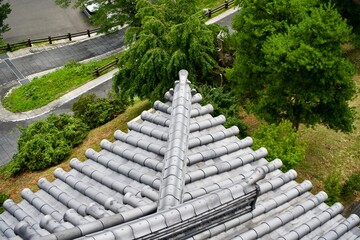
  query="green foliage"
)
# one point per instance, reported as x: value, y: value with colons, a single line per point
x: 96, y: 111
x: 3, y: 197
x: 350, y: 10
x: 282, y: 142
x: 168, y: 40
x: 225, y: 103
x: 109, y: 14
x: 47, y: 142
x: 43, y: 90
x: 4, y: 11
x: 333, y: 187
x: 256, y: 21
x: 321, y: 84
x: 290, y: 65
x: 351, y: 186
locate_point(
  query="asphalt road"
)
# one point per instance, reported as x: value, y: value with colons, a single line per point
x: 42, y: 18
x: 17, y: 69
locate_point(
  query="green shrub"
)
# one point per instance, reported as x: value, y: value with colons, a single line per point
x: 47, y: 142
x: 351, y: 185
x: 225, y: 103
x: 333, y: 187
x: 3, y: 197
x: 97, y: 111
x: 282, y: 142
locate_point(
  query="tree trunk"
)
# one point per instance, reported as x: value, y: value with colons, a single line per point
x: 296, y: 125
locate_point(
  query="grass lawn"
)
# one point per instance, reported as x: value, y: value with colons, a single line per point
x: 211, y: 3
x: 43, y: 90
x: 14, y: 186
x: 329, y: 151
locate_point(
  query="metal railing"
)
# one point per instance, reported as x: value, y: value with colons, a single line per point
x: 49, y: 39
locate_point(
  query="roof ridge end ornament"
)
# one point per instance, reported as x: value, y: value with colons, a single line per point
x: 183, y: 76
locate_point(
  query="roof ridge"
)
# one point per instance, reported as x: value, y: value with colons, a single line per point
x: 175, y: 158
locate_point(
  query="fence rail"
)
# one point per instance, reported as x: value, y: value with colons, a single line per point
x: 210, y: 11
x: 101, y: 69
x: 49, y: 39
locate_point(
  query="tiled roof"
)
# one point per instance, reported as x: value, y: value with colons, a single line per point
x: 178, y: 173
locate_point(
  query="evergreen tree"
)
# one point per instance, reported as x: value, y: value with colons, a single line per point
x: 289, y: 63
x: 4, y: 11
x: 350, y: 10
x: 168, y: 40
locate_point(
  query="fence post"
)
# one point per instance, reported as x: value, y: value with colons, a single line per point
x: 226, y: 4
x: 97, y: 73
x: 29, y: 43
x: 50, y: 41
x: 116, y: 60
x: 69, y: 36
x: 8, y: 47
x: 209, y: 13
x: 88, y: 33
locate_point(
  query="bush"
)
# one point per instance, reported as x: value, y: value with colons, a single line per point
x: 351, y: 186
x: 96, y: 111
x: 3, y: 197
x: 47, y: 142
x: 333, y: 187
x: 225, y: 103
x: 282, y: 142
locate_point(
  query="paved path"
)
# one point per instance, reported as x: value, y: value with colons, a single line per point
x: 16, y: 70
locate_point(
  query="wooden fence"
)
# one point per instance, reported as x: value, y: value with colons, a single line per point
x: 49, y: 39
x: 97, y: 72
x: 210, y: 12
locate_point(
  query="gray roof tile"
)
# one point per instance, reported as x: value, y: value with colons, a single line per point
x: 347, y: 224
x: 24, y: 230
x: 51, y: 225
x: 40, y: 205
x: 156, y: 119
x: 178, y: 172
x: 5, y: 229
x: 157, y: 222
x: 313, y: 223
